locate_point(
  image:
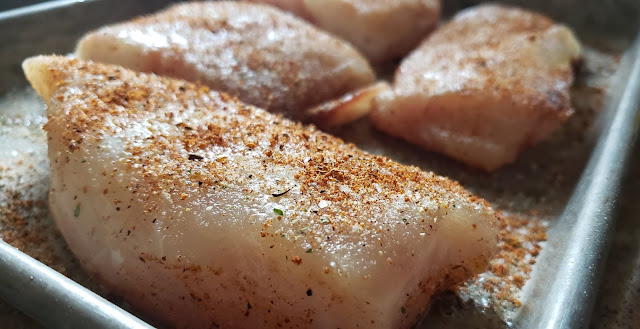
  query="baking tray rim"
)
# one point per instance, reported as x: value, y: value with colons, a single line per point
x: 564, y: 307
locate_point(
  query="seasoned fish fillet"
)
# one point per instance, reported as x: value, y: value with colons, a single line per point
x: 486, y: 85
x: 380, y: 29
x: 258, y: 53
x: 206, y: 212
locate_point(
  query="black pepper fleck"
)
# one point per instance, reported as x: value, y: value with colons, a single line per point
x: 194, y: 157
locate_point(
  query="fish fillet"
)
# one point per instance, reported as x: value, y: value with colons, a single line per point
x: 203, y: 211
x: 482, y: 88
x: 381, y: 29
x: 258, y: 53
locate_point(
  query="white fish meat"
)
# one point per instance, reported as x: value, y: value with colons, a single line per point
x: 489, y: 83
x: 258, y: 53
x: 347, y: 108
x: 203, y: 211
x: 382, y: 30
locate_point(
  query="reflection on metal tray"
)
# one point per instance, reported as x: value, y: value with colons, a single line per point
x: 570, y: 182
x: 11, y: 4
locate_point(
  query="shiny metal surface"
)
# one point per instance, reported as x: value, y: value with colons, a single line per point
x: 54, y: 27
x: 561, y: 293
x: 11, y: 4
x: 53, y: 299
x: 563, y: 286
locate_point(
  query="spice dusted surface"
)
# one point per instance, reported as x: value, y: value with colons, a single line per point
x: 152, y: 177
x: 528, y: 193
x: 521, y: 191
x: 25, y: 222
x: 482, y: 92
x: 258, y: 53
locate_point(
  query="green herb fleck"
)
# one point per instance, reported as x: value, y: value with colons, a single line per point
x: 301, y: 231
x: 310, y: 250
x: 453, y: 205
x: 83, y: 160
x: 278, y: 211
x: 76, y: 212
x: 324, y: 220
x: 405, y: 221
x: 403, y: 310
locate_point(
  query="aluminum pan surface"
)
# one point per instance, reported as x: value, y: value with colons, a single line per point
x: 563, y: 296
x: 77, y: 17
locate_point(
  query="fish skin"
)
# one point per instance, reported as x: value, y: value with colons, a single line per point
x: 203, y: 211
x: 482, y: 88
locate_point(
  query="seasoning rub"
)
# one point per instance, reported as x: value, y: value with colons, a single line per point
x: 204, y: 243
x: 483, y: 87
x: 260, y: 54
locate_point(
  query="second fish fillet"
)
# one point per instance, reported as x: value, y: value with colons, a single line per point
x: 261, y: 55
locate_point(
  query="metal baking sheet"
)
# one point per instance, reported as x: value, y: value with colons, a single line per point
x: 558, y: 199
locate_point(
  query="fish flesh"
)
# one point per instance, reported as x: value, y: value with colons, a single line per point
x: 258, y: 53
x: 348, y: 108
x: 486, y: 85
x: 382, y: 30
x: 202, y: 211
